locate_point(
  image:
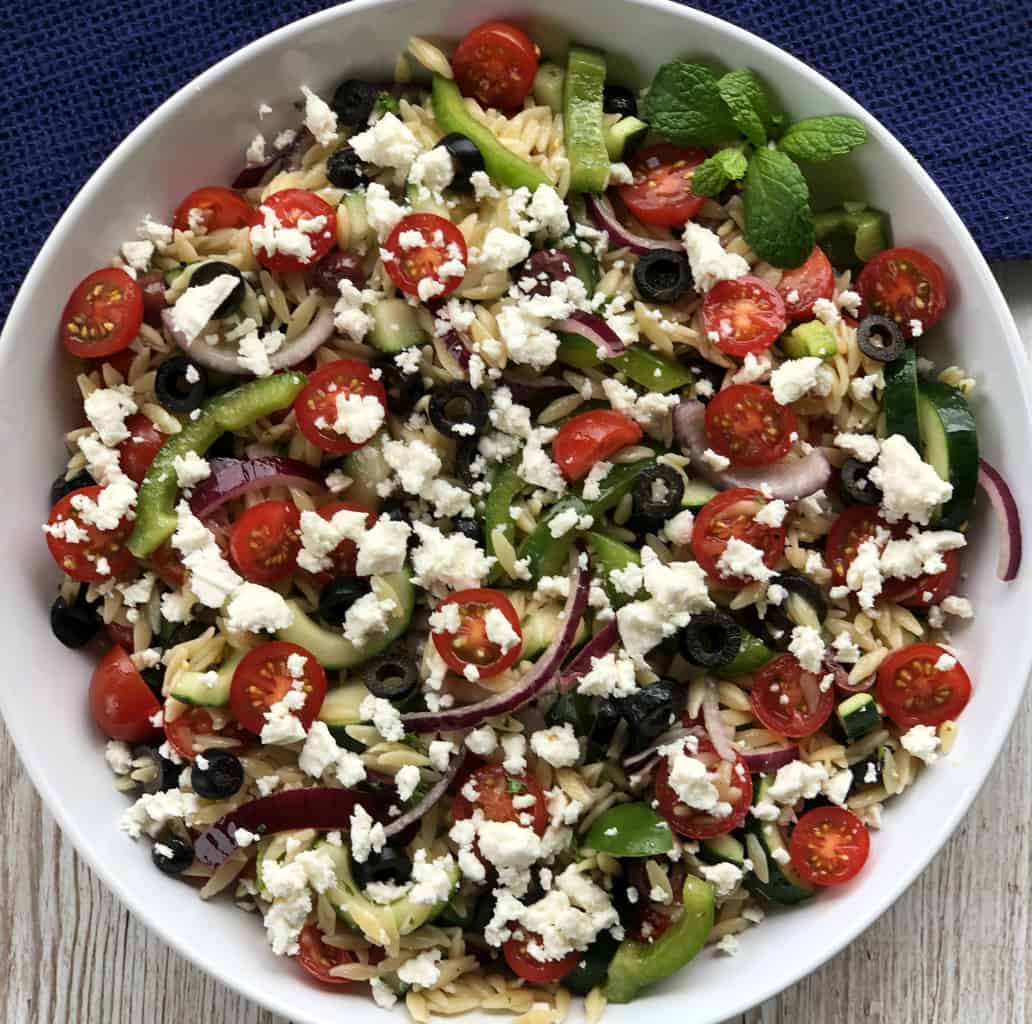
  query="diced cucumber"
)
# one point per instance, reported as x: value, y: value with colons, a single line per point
x: 783, y: 885
x: 193, y: 688
x: 949, y: 443
x: 901, y: 398
x: 361, y: 233
x: 809, y: 339
x: 548, y: 85
x: 858, y: 715
x: 697, y: 493
x: 719, y: 848
x: 341, y: 704
x: 395, y: 326
x: 426, y: 204
x: 539, y: 623
x: 851, y: 237
x: 366, y: 467
x: 862, y: 774
x: 622, y: 133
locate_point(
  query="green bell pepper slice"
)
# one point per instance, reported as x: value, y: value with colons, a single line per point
x: 506, y: 487
x: 233, y: 410
x: 630, y: 830
x: 609, y: 554
x: 582, y: 120
x: 851, y: 238
x: 753, y: 654
x: 638, y: 964
x: 590, y: 970
x: 809, y: 339
x: 644, y: 367
x: 504, y: 166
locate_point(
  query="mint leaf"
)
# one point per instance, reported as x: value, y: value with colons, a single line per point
x: 778, y: 221
x: 822, y: 138
x: 684, y: 105
x: 743, y: 94
x: 715, y: 174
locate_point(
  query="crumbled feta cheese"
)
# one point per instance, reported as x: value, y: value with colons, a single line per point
x: 515, y: 748
x: 383, y: 995
x: 282, y: 727
x: 709, y: 261
x: 725, y: 876
x: 945, y: 662
x: 864, y: 447
x: 106, y: 409
x: 119, y: 757
x: 836, y: 789
x: 382, y: 548
x: 744, y: 561
x: 715, y: 460
x: 797, y: 781
x: 620, y: 174
x: 190, y: 469
x: 440, y: 753
x: 433, y: 879
x: 452, y: 562
x: 272, y: 237
x: 320, y: 537
x: 808, y: 646
x: 916, y: 328
x: 387, y: 143
x: 432, y: 170
x: 558, y: 745
x: 772, y: 514
x: 406, y: 780
x: 320, y: 119
x: 922, y: 742
x: 366, y: 835
x: 911, y: 487
x: 254, y: 608
x: 612, y: 675
x: 319, y: 752
x: 368, y: 617
x: 795, y: 378
x: 693, y: 782
x: 482, y: 741
x: 212, y: 580
x: 845, y: 649
x: 150, y: 230
x: 385, y: 717
x: 138, y: 254
x: 502, y: 249
x: 422, y: 970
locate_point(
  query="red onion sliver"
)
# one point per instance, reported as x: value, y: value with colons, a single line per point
x: 453, y: 349
x: 592, y: 328
x: 230, y: 478
x: 535, y: 390
x: 842, y: 676
x: 715, y: 728
x: 601, y: 212
x: 597, y: 647
x: 770, y: 760
x: 679, y: 732
x: 413, y: 814
x: 1006, y: 508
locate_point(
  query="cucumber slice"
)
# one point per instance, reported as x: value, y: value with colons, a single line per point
x: 949, y: 443
x: 366, y: 468
x: 341, y: 704
x: 697, y: 493
x: 719, y: 848
x: 331, y: 648
x: 426, y: 204
x: 192, y: 687
x: 361, y: 232
x: 395, y: 326
x: 901, y: 398
x: 621, y: 134
x: 858, y: 715
x: 539, y: 623
x: 548, y: 85
x: 783, y: 885
x: 809, y: 339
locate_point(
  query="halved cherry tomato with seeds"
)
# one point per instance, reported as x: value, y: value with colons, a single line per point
x: 103, y: 314
x: 137, y: 451
x: 745, y: 424
x: 217, y: 208
x: 495, y: 789
x: 265, y: 541
x: 743, y: 315
x: 264, y: 678
x: 802, y: 287
x: 857, y: 524
x: 590, y: 437
x: 344, y: 556
x: 496, y: 64
x: 734, y: 788
x: 316, y: 406
x: 903, y: 285
x: 914, y: 691
x: 198, y: 729
x: 427, y: 256
x: 471, y: 644
x: 661, y: 192
x: 525, y: 965
x: 318, y: 957
x: 732, y: 513
x: 929, y: 590
x: 80, y: 547
x: 829, y: 846
x: 308, y: 213
x: 788, y: 699
x: 121, y: 703
x: 168, y: 565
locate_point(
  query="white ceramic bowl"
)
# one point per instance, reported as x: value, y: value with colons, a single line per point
x: 196, y: 138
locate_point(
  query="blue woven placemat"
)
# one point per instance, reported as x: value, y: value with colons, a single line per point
x: 952, y: 79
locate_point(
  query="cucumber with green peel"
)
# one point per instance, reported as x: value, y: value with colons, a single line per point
x: 422, y: 201
x: 548, y: 85
x: 697, y: 494
x: 341, y: 705
x: 783, y: 884
x: 366, y: 468
x: 809, y: 339
x: 900, y: 397
x: 194, y: 688
x: 394, y: 326
x: 858, y: 715
x: 622, y: 135
x: 851, y: 237
x: 361, y: 232
x: 539, y: 622
x: 949, y: 443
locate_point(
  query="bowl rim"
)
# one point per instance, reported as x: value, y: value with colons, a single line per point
x: 969, y: 252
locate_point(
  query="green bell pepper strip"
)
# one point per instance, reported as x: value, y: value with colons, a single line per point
x: 650, y: 370
x: 638, y: 964
x: 506, y: 487
x: 504, y: 166
x: 609, y: 554
x: 630, y: 830
x: 590, y: 970
x: 851, y: 238
x: 582, y: 120
x: 809, y: 339
x: 753, y: 654
x: 233, y: 410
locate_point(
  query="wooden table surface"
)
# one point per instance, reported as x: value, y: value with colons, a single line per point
x: 956, y: 949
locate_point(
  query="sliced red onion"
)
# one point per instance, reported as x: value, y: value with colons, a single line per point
x: 635, y: 761
x: 602, y: 213
x: 536, y: 680
x: 597, y: 647
x: 254, y: 174
x: 320, y: 808
x: 715, y: 728
x: 842, y: 676
x: 808, y: 684
x: 788, y: 481
x: 454, y: 351
x: 287, y: 159
x: 594, y: 329
x: 231, y: 478
x: 413, y: 814
x: 770, y: 759
x: 1006, y: 509
x: 535, y: 390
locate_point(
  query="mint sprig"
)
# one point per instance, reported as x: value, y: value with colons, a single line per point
x: 712, y: 176
x: 684, y: 105
x: 823, y: 138
x: 742, y: 92
x: 778, y: 219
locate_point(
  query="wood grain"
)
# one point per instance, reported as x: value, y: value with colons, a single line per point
x: 954, y: 950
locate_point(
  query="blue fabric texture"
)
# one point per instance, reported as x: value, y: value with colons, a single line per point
x: 951, y: 78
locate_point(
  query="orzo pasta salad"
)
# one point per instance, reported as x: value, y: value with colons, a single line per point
x: 520, y: 535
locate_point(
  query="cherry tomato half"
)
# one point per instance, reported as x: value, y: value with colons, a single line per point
x: 218, y: 208
x: 305, y: 211
x: 733, y: 784
x: 745, y: 313
x: 903, y: 285
x: 788, y: 699
x: 265, y: 541
x: 199, y: 729
x: 317, y: 957
x: 829, y: 845
x: 316, y: 406
x: 263, y: 678
x: 103, y: 314
x: 802, y: 287
x: 857, y: 524
x: 427, y: 256
x: 82, y: 546
x: 745, y: 424
x: 121, y: 703
x: 471, y: 643
x: 137, y: 451
x: 934, y: 589
x: 525, y: 965
x: 590, y: 437
x: 914, y: 691
x: 661, y: 190
x: 496, y: 64
x: 495, y: 789
x: 732, y: 514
